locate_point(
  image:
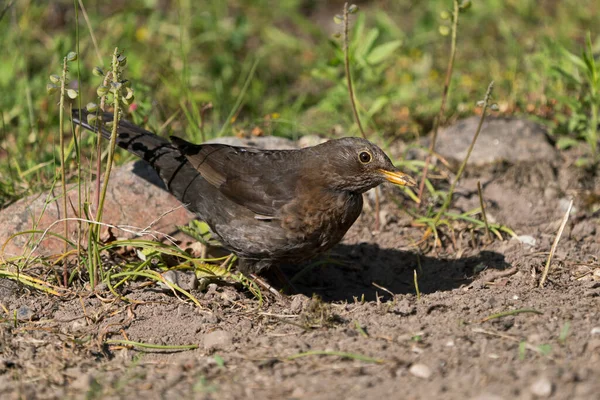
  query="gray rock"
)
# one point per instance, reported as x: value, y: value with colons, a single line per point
x: 128, y: 189
x: 261, y: 142
x: 501, y: 139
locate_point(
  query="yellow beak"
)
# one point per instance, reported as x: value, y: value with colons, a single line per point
x: 398, y: 178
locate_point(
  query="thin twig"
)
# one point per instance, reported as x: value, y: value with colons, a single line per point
x: 555, y: 244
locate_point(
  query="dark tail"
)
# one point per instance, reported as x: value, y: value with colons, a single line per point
x: 132, y: 138
x: 164, y: 157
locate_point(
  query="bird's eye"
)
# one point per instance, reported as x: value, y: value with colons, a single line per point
x: 365, y: 157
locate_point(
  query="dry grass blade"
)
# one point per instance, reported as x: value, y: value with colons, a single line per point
x: 555, y: 244
x: 510, y: 313
x: 487, y: 228
x: 352, y: 356
x: 528, y: 346
x: 416, y: 281
x: 129, y: 343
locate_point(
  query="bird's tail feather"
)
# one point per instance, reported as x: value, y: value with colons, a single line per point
x: 132, y: 138
x: 164, y: 157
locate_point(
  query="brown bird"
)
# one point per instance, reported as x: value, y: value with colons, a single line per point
x: 266, y: 206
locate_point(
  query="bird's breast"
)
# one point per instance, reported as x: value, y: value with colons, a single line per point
x: 322, y: 219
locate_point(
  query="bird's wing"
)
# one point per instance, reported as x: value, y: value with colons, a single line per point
x: 262, y: 181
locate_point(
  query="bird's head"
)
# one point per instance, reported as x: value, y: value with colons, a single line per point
x: 356, y: 165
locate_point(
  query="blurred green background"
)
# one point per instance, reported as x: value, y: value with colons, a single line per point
x: 276, y: 67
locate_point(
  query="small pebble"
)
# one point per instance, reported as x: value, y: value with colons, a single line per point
x: 420, y: 371
x: 563, y: 205
x: 186, y: 281
x: 297, y: 303
x: 78, y: 324
x: 25, y: 313
x: 527, y: 240
x: 542, y: 387
x: 595, y: 330
x: 218, y: 339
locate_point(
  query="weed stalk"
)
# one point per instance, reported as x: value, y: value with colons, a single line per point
x: 461, y: 169
x: 437, y: 120
x: 61, y: 132
x: 353, y: 99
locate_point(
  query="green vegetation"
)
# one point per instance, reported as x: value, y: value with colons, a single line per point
x: 183, y: 55
x: 261, y: 67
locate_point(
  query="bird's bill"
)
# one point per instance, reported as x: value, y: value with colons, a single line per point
x: 398, y: 178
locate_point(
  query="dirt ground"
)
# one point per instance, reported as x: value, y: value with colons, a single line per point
x: 357, y: 330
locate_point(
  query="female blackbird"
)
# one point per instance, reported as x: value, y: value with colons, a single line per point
x: 267, y: 206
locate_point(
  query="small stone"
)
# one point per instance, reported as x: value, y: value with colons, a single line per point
x: 25, y: 313
x: 212, y: 288
x: 563, y: 205
x: 420, y: 371
x: 186, y: 281
x: 386, y: 217
x: 78, y: 324
x: 298, y: 392
x: 218, y: 339
x: 595, y: 330
x: 527, y: 240
x: 542, y: 387
x: 405, y: 307
x: 297, y: 303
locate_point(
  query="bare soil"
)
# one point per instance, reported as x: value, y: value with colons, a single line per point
x: 356, y: 329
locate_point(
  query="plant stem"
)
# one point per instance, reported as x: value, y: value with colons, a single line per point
x: 461, y: 169
x: 353, y: 103
x: 437, y: 120
x: 348, y: 75
x: 61, y: 130
x: 113, y: 137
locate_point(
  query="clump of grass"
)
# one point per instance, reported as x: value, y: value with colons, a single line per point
x: 583, y: 120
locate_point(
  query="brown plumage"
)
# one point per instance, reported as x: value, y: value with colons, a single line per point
x: 267, y: 206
